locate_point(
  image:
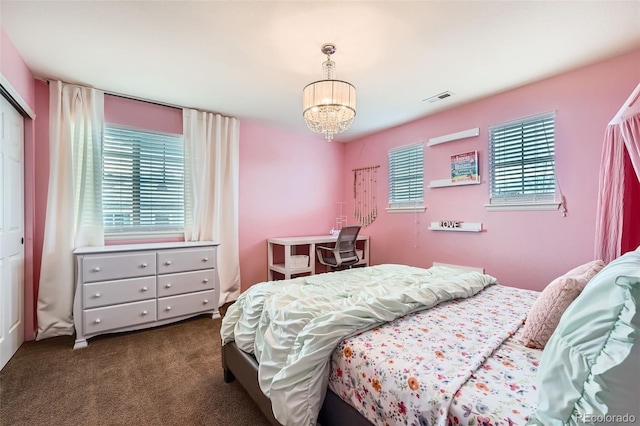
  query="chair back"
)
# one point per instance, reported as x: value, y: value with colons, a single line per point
x: 347, y: 238
x: 343, y: 254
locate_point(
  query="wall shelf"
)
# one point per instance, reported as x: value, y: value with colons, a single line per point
x: 454, y: 136
x: 455, y: 226
x: 442, y: 183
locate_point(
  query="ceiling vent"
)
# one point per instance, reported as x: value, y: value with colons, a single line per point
x: 438, y: 97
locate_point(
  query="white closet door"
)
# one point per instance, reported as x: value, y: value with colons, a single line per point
x: 11, y: 231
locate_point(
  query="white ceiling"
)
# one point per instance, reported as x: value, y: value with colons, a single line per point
x: 251, y: 59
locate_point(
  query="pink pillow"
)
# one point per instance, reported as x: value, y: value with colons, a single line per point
x: 545, y: 313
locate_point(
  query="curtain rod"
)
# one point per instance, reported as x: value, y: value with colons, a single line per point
x: 135, y: 98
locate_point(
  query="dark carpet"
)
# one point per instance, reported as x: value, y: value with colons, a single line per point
x: 169, y: 375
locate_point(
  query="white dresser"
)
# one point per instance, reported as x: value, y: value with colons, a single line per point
x: 130, y: 287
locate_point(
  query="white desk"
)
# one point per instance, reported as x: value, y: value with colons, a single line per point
x: 290, y: 244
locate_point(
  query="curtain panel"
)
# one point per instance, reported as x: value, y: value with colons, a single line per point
x: 74, y: 199
x: 211, y: 149
x: 622, y: 133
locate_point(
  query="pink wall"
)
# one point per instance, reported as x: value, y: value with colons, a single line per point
x: 142, y: 115
x: 521, y: 248
x: 290, y: 184
x: 13, y: 68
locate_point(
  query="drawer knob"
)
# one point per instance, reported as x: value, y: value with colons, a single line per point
x: 144, y: 313
x: 205, y: 259
x: 205, y: 301
x: 97, y: 321
x: 97, y: 295
x: 168, y: 308
x: 144, y: 289
x: 96, y: 269
x: 168, y: 262
x: 144, y: 265
x: 206, y: 280
x: 168, y: 285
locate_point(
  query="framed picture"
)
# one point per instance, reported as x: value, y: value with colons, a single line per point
x: 464, y: 167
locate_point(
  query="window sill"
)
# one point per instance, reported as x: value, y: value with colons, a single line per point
x: 522, y: 206
x: 414, y: 209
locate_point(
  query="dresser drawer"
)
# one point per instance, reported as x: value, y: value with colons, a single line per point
x: 122, y: 291
x: 186, y: 282
x: 185, y: 304
x: 112, y: 317
x: 170, y: 261
x: 114, y: 266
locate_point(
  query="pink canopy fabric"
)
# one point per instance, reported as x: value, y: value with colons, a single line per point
x: 622, y: 134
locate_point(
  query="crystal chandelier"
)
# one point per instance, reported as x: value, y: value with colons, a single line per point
x: 329, y: 106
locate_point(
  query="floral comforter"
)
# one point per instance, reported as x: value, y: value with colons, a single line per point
x: 463, y: 354
x: 293, y: 326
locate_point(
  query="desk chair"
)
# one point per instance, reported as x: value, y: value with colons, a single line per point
x: 343, y: 255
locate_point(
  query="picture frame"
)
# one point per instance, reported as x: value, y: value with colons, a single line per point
x: 464, y: 167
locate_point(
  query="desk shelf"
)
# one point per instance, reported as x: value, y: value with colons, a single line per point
x: 279, y: 267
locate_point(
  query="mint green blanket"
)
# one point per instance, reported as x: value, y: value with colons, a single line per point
x: 293, y: 326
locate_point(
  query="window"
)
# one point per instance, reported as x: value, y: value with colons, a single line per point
x: 142, y: 182
x: 406, y: 178
x: 522, y: 164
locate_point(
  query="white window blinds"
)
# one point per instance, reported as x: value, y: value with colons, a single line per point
x: 522, y: 161
x: 406, y: 176
x: 143, y: 181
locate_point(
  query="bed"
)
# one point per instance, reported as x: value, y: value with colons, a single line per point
x: 388, y: 345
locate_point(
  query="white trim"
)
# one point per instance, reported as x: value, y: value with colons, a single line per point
x: 454, y: 136
x: 414, y: 209
x: 463, y: 227
x: 461, y: 267
x: 522, y: 206
x: 441, y: 183
x: 13, y: 93
x: 143, y: 246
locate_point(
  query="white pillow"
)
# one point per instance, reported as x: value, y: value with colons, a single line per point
x: 589, y: 368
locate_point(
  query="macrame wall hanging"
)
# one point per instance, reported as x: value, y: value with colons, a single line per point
x: 365, y: 182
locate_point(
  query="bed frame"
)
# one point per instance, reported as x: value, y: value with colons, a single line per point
x: 240, y: 365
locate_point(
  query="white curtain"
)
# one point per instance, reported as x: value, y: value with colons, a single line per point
x: 74, y: 200
x: 622, y: 133
x: 211, y: 146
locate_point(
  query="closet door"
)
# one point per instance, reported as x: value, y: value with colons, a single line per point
x: 11, y: 231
